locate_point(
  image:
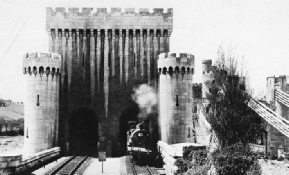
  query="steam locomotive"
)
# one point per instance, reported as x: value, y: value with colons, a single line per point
x: 138, y: 142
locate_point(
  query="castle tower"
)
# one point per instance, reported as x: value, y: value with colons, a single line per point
x: 42, y: 75
x: 176, y: 97
x: 208, y: 75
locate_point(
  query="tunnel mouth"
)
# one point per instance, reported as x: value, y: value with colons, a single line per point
x: 128, y: 118
x: 83, y: 133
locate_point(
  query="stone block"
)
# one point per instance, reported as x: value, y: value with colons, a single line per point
x: 115, y: 10
x: 3, y: 165
x: 129, y: 10
x: 101, y: 10
x: 14, y: 163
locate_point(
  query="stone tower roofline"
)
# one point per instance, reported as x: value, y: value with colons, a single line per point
x: 114, y: 11
x: 278, y: 80
x: 40, y: 63
x: 207, y: 62
x: 176, y: 62
x: 197, y: 85
x: 62, y: 19
x: 208, y: 69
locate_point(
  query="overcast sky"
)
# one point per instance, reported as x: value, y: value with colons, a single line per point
x: 257, y: 30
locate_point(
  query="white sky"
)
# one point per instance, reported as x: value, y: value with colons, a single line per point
x: 257, y: 29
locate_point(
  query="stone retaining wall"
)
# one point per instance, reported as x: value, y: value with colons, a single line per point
x: 16, y: 164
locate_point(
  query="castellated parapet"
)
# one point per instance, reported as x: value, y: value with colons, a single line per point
x: 42, y: 75
x: 101, y: 19
x: 176, y: 97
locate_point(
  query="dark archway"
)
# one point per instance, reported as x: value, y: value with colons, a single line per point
x: 83, y: 133
x: 127, y: 117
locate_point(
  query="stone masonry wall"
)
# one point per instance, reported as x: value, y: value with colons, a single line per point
x: 105, y: 55
x: 176, y: 97
x: 275, y: 138
x: 42, y: 75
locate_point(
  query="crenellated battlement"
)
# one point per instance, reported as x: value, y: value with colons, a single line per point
x: 113, y: 11
x: 42, y: 55
x: 281, y: 82
x: 39, y: 62
x: 176, y: 60
x: 208, y: 69
x: 117, y: 18
x: 197, y: 85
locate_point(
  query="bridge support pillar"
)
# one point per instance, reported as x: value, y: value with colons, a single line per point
x: 275, y: 138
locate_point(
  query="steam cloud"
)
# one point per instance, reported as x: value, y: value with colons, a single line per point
x: 146, y: 97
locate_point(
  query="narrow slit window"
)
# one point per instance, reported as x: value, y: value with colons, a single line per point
x: 177, y: 100
x: 82, y: 59
x: 189, y: 132
x: 134, y: 60
x: 109, y: 59
x: 37, y: 101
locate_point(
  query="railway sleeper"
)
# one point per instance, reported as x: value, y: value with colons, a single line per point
x: 83, y: 166
x: 59, y: 166
x: 72, y: 166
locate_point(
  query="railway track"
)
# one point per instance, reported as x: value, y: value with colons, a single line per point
x: 73, y: 165
x: 141, y: 170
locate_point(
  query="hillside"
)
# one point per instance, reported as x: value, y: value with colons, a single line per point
x: 12, y: 111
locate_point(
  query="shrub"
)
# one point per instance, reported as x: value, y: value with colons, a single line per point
x: 194, y: 161
x: 236, y: 159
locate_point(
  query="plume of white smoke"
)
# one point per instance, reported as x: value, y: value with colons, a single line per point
x: 146, y: 98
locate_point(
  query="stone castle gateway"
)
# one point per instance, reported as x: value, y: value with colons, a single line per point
x: 104, y: 55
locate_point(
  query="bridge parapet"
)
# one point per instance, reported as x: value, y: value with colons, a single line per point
x: 169, y: 158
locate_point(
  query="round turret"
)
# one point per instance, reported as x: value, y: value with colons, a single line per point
x: 176, y: 62
x: 42, y: 77
x: 206, y: 64
x: 175, y: 97
x: 208, y: 75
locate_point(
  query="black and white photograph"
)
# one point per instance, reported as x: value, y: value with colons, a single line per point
x: 144, y: 87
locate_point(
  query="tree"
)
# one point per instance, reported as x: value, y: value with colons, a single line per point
x: 1, y: 125
x: 234, y: 123
x: 229, y: 115
x: 6, y: 124
x: 14, y: 125
x: 21, y: 126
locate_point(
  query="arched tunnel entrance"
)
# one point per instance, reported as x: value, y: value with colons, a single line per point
x: 83, y: 133
x: 128, y: 117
